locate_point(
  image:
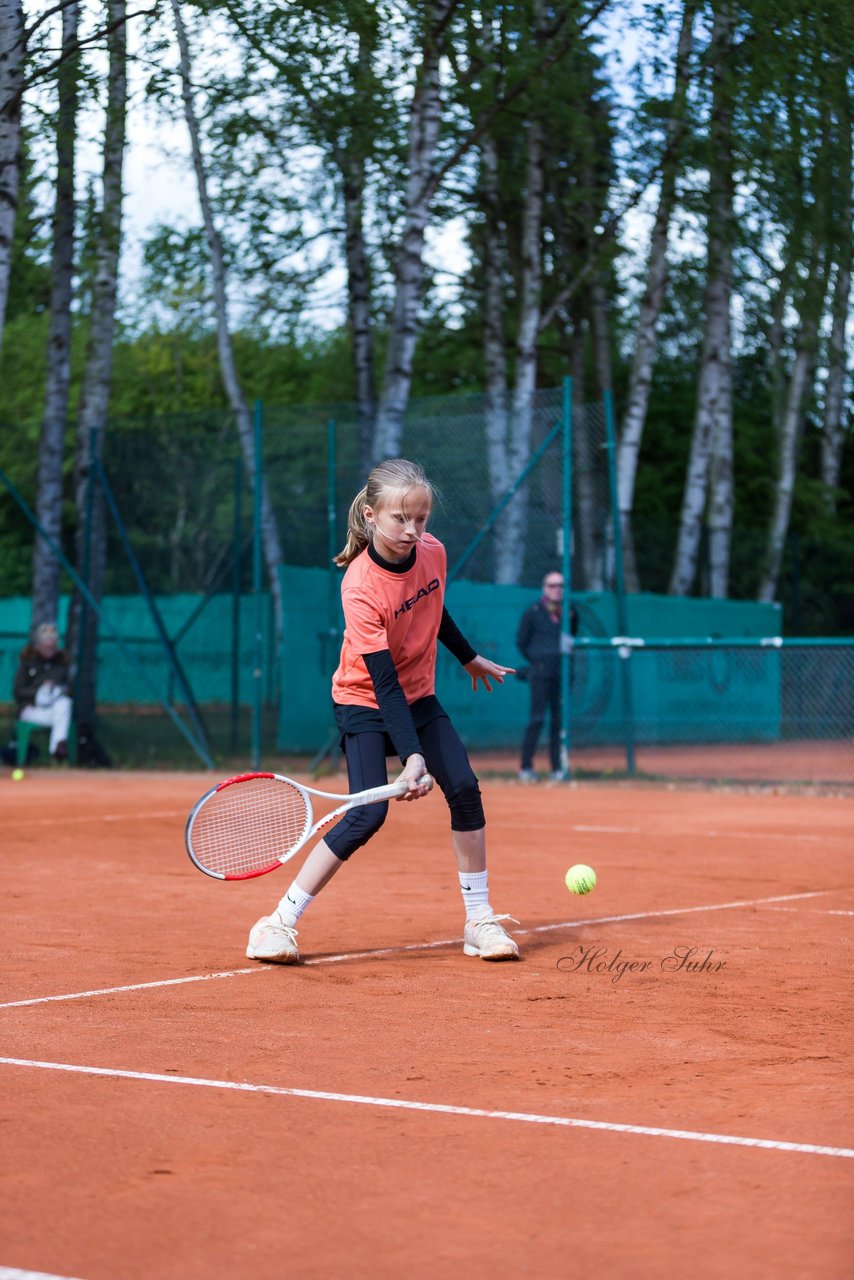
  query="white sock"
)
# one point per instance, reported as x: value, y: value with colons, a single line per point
x: 474, y: 887
x: 294, y: 903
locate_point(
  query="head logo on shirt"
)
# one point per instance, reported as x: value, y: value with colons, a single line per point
x: 419, y: 595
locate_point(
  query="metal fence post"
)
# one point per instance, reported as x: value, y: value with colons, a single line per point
x: 257, y: 583
x: 86, y: 567
x: 236, y: 582
x: 566, y: 568
x: 332, y: 546
x: 624, y: 651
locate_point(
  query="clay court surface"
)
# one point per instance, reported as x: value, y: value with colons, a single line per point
x: 392, y: 1108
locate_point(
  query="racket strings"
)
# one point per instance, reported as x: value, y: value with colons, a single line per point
x: 249, y: 825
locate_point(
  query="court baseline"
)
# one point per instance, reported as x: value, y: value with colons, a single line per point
x: 438, y: 1108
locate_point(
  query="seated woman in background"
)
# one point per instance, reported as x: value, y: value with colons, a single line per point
x: 41, y: 687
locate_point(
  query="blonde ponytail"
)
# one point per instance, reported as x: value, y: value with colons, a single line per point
x: 357, y: 531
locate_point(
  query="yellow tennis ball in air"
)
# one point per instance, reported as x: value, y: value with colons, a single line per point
x: 580, y: 879
x: 17, y: 775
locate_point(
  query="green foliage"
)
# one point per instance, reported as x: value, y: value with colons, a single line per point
x: 301, y: 99
x: 822, y: 545
x: 161, y: 373
x: 22, y: 371
x: 176, y: 281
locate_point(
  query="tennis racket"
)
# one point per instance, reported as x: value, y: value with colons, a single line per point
x: 253, y: 823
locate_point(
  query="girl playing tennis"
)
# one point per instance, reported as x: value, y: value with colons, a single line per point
x: 383, y: 693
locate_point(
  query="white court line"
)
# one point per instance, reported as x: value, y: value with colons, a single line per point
x: 417, y: 946
x: 509, y: 824
x: 438, y: 1108
x: 101, y: 817
x: 134, y: 986
x: 813, y: 911
x: 700, y: 835
x: 12, y: 1273
x: 674, y: 911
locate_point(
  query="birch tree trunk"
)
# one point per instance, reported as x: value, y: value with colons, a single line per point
x: 97, y: 379
x: 792, y: 423
x: 833, y: 433
x: 589, y: 557
x: 512, y: 527
x: 350, y: 156
x: 714, y: 385
x: 424, y: 123
x: 601, y: 534
x: 11, y: 88
x: 46, y: 567
x: 228, y: 368
x: 721, y: 492
x: 359, y: 302
x: 776, y: 330
x: 817, y: 216
x: 497, y: 420
x: 600, y: 331
x: 509, y: 415
x: 640, y: 380
x: 495, y: 278
x: 721, y: 483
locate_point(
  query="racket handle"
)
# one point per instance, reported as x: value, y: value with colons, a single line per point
x: 402, y: 786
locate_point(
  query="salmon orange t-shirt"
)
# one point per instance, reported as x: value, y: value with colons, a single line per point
x: 400, y: 612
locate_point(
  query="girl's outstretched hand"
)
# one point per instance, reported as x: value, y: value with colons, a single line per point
x: 481, y: 668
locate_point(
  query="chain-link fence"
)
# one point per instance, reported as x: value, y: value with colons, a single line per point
x: 499, y: 515
x: 202, y: 655
x: 184, y: 488
x: 727, y: 710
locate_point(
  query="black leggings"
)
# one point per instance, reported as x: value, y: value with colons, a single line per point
x: 446, y: 759
x: 545, y: 696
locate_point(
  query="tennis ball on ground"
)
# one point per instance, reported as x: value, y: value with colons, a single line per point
x: 17, y: 775
x: 580, y: 879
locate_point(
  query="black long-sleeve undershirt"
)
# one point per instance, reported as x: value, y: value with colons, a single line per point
x: 392, y: 703
x: 454, y: 640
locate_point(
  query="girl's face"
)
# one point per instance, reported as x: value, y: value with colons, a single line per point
x: 399, y: 522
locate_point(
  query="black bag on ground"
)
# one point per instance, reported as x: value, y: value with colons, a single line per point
x: 90, y: 752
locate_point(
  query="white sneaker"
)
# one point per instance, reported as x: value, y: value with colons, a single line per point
x: 527, y: 775
x: 557, y: 775
x: 486, y: 938
x: 272, y: 939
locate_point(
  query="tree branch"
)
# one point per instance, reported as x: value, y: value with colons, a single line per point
x: 606, y: 235
x: 46, y: 16
x: 549, y: 60
x: 44, y: 72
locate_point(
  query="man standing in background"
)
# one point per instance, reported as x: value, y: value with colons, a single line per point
x: 539, y: 641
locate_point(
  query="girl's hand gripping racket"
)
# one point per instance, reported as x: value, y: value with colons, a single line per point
x: 251, y: 824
